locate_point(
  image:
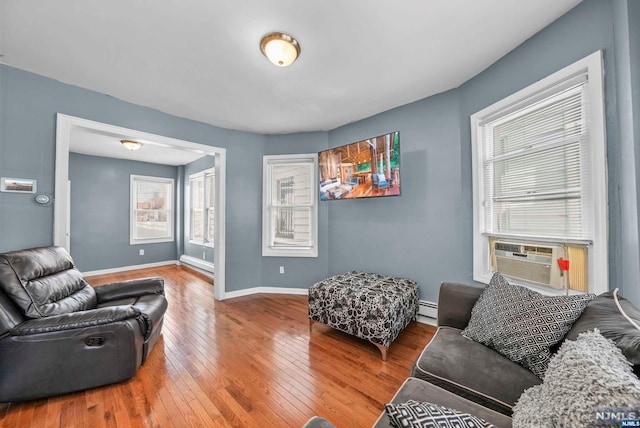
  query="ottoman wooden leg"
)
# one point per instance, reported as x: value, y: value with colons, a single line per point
x: 383, y: 351
x: 310, y: 324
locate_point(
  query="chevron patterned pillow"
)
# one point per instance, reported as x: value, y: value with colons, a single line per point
x: 522, y: 324
x: 414, y: 414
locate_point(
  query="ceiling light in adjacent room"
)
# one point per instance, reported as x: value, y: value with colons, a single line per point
x: 131, y: 145
x: 280, y: 48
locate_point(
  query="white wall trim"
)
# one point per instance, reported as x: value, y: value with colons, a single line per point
x: 267, y: 290
x: 427, y: 320
x: 201, y: 264
x: 196, y: 269
x: 427, y: 311
x: 61, y: 229
x: 128, y: 268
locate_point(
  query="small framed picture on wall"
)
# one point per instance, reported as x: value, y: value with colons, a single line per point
x: 18, y: 185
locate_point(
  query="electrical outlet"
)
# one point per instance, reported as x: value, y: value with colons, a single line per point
x: 281, y: 269
x: 141, y: 252
x: 204, y: 255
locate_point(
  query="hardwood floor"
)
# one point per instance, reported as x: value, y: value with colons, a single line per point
x: 243, y: 362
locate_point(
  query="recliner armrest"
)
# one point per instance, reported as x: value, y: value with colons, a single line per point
x: 455, y: 301
x: 131, y: 288
x: 90, y: 318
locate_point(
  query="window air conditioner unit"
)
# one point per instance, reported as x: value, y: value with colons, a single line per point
x: 528, y: 262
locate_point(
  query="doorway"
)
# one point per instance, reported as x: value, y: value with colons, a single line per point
x: 67, y: 126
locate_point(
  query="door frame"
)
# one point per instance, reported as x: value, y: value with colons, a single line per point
x: 61, y: 212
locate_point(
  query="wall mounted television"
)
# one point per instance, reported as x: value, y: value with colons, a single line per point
x: 366, y: 169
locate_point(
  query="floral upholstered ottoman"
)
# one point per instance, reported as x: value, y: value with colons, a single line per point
x: 366, y: 305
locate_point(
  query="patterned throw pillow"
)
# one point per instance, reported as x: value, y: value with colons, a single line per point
x: 413, y: 414
x: 521, y: 324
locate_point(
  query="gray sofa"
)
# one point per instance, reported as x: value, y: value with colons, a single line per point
x: 456, y: 372
x: 464, y: 367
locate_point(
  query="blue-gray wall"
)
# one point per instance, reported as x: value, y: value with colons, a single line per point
x: 195, y: 250
x: 416, y: 235
x: 624, y: 182
x: 28, y: 106
x: 425, y: 234
x: 100, y: 222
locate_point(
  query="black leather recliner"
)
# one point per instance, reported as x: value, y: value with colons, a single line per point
x: 58, y: 334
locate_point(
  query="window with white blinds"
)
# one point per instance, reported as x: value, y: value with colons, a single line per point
x: 290, y: 206
x: 534, y: 180
x: 539, y: 170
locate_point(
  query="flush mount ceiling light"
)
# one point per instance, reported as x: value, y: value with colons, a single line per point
x: 280, y: 48
x: 131, y: 145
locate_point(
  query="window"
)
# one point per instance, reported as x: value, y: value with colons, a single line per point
x: 540, y: 182
x: 285, y: 220
x: 290, y: 210
x: 201, y: 207
x: 151, y: 209
x: 210, y: 186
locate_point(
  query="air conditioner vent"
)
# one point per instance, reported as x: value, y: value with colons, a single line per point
x: 528, y: 262
x: 502, y: 246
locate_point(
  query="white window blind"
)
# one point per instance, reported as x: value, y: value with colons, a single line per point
x: 536, y: 182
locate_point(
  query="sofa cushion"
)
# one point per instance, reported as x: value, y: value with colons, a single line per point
x: 472, y: 370
x: 44, y: 282
x: 584, y: 375
x: 604, y: 314
x: 415, y: 414
x: 418, y: 389
x: 522, y: 324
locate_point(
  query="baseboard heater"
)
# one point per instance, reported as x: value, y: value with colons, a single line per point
x: 428, y: 309
x: 200, y: 264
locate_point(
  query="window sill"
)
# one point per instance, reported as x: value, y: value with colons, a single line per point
x: 539, y: 288
x: 202, y: 243
x: 288, y: 252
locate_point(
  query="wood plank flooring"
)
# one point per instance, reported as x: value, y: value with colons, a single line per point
x: 244, y: 362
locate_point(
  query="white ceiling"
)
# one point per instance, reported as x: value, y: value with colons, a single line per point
x: 200, y: 59
x: 97, y: 143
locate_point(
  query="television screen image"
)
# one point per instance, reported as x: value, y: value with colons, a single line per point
x: 367, y: 169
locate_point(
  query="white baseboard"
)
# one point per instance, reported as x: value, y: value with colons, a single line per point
x: 200, y: 264
x: 427, y: 320
x: 271, y: 290
x: 196, y: 269
x: 127, y: 268
x: 427, y: 312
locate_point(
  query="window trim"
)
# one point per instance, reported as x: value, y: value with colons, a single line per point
x: 205, y: 241
x: 598, y: 248
x: 267, y: 162
x: 132, y: 215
